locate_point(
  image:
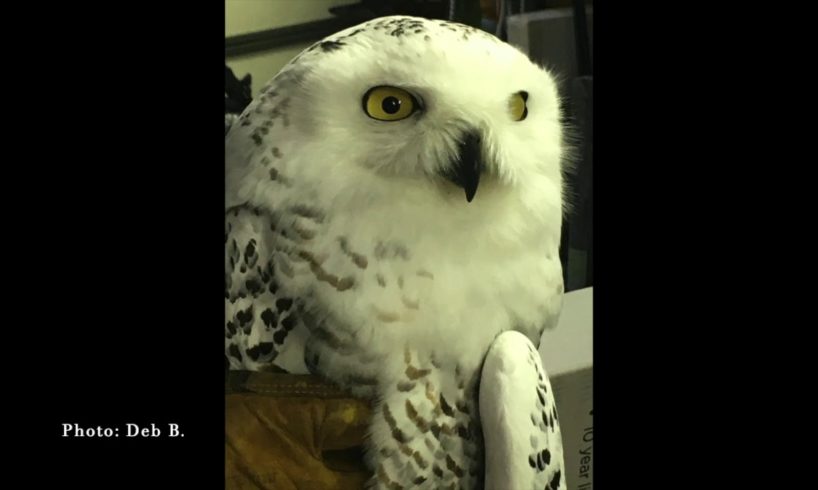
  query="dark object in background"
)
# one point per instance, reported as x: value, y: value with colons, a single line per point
x: 237, y: 93
x: 237, y: 96
x: 581, y: 221
x: 579, y: 240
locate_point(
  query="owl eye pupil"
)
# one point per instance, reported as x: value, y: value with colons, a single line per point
x: 390, y: 105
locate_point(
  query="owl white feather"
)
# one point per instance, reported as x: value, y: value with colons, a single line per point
x: 394, y: 205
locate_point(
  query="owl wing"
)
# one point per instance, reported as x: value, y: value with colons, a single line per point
x: 523, y: 441
x: 262, y: 327
x: 271, y: 220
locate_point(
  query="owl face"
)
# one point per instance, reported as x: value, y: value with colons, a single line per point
x: 416, y: 99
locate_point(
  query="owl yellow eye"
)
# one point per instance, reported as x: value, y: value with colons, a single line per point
x: 517, y: 105
x: 389, y: 104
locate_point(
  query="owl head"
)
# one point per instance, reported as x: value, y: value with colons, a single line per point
x: 412, y: 107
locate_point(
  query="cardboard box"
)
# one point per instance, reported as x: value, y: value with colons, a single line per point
x: 567, y: 354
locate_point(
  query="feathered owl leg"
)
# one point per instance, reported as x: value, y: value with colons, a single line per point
x: 519, y: 417
x: 425, y: 431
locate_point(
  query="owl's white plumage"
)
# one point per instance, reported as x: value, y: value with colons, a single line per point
x: 345, y: 228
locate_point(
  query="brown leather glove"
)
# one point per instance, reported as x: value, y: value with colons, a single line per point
x: 288, y: 432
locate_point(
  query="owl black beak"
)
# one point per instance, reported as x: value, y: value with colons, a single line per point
x: 467, y: 165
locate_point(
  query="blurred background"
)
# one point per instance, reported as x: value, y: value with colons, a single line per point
x: 261, y: 36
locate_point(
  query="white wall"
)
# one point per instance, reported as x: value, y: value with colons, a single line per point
x: 245, y: 16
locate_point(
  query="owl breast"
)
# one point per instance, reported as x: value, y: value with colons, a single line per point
x: 393, y: 291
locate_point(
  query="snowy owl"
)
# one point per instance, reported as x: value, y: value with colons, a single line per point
x: 393, y: 216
